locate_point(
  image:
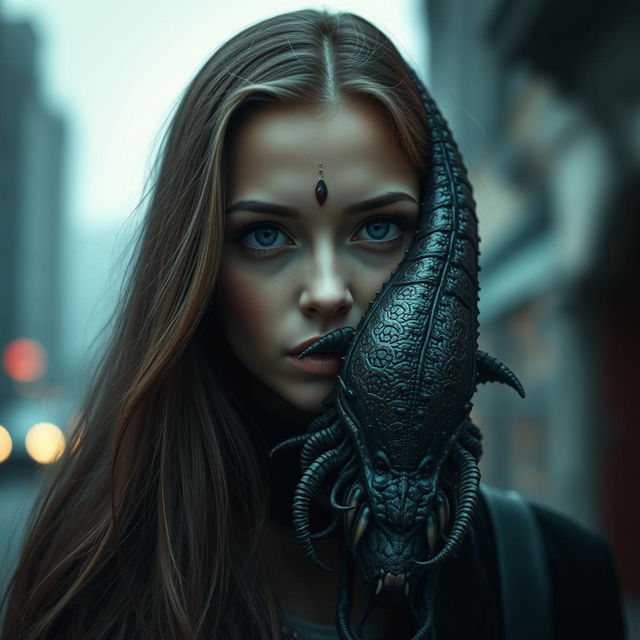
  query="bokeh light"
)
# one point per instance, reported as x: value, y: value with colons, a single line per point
x: 45, y: 442
x: 6, y: 444
x: 25, y: 360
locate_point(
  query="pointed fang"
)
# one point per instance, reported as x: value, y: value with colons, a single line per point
x: 362, y: 525
x: 432, y: 533
x: 379, y: 587
x: 442, y: 512
x: 352, y: 501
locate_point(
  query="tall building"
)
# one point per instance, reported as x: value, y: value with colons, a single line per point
x: 544, y: 100
x: 32, y: 173
x: 32, y: 157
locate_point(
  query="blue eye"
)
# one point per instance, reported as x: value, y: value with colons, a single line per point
x: 263, y: 237
x: 378, y: 229
x: 266, y: 236
x: 382, y: 230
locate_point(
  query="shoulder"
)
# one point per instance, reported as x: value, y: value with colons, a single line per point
x: 584, y: 587
x: 570, y: 545
x: 586, y: 595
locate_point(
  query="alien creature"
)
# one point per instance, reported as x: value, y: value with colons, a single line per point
x: 394, y: 456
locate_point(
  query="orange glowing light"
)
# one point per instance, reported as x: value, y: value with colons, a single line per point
x: 44, y: 442
x: 24, y: 360
x: 6, y: 444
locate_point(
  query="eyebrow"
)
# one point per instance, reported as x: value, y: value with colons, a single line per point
x: 258, y: 206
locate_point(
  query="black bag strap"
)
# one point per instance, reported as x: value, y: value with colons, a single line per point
x: 524, y: 578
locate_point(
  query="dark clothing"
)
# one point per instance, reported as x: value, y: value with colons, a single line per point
x: 586, y: 601
x: 585, y: 596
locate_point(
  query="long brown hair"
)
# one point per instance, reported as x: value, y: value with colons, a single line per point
x: 153, y: 524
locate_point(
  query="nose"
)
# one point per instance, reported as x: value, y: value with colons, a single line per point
x: 326, y: 291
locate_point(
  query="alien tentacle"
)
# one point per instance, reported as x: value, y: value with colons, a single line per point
x: 427, y: 610
x: 307, y: 487
x: 326, y: 496
x: 346, y: 476
x: 471, y: 440
x: 468, y: 489
x: 289, y: 442
x: 332, y: 528
x: 317, y: 426
x: 319, y: 441
x: 322, y: 421
x: 474, y: 430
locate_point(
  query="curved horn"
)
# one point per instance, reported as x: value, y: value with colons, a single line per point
x: 489, y: 369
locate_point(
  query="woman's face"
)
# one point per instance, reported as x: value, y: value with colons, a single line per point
x: 294, y: 269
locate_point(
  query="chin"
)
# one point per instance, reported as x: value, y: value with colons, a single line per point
x: 309, y: 406
x: 295, y: 399
x: 294, y: 396
x: 301, y: 400
x: 308, y: 397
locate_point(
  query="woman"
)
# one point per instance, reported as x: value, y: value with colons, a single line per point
x: 286, y: 194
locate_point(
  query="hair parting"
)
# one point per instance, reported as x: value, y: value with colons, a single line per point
x: 153, y: 524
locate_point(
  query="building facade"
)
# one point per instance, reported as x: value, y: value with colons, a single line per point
x: 544, y: 100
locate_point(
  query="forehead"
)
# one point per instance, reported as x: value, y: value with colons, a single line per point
x: 278, y: 150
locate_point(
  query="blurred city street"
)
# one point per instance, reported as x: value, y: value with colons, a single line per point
x: 543, y: 99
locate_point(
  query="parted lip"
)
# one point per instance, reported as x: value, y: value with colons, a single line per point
x: 302, y: 346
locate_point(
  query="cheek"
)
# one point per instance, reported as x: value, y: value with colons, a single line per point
x: 370, y: 277
x: 250, y: 309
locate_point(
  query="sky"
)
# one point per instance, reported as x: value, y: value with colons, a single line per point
x: 115, y: 70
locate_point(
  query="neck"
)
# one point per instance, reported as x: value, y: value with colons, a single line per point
x: 257, y: 400
x: 270, y: 420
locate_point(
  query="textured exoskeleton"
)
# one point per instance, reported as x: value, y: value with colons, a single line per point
x: 395, y: 454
